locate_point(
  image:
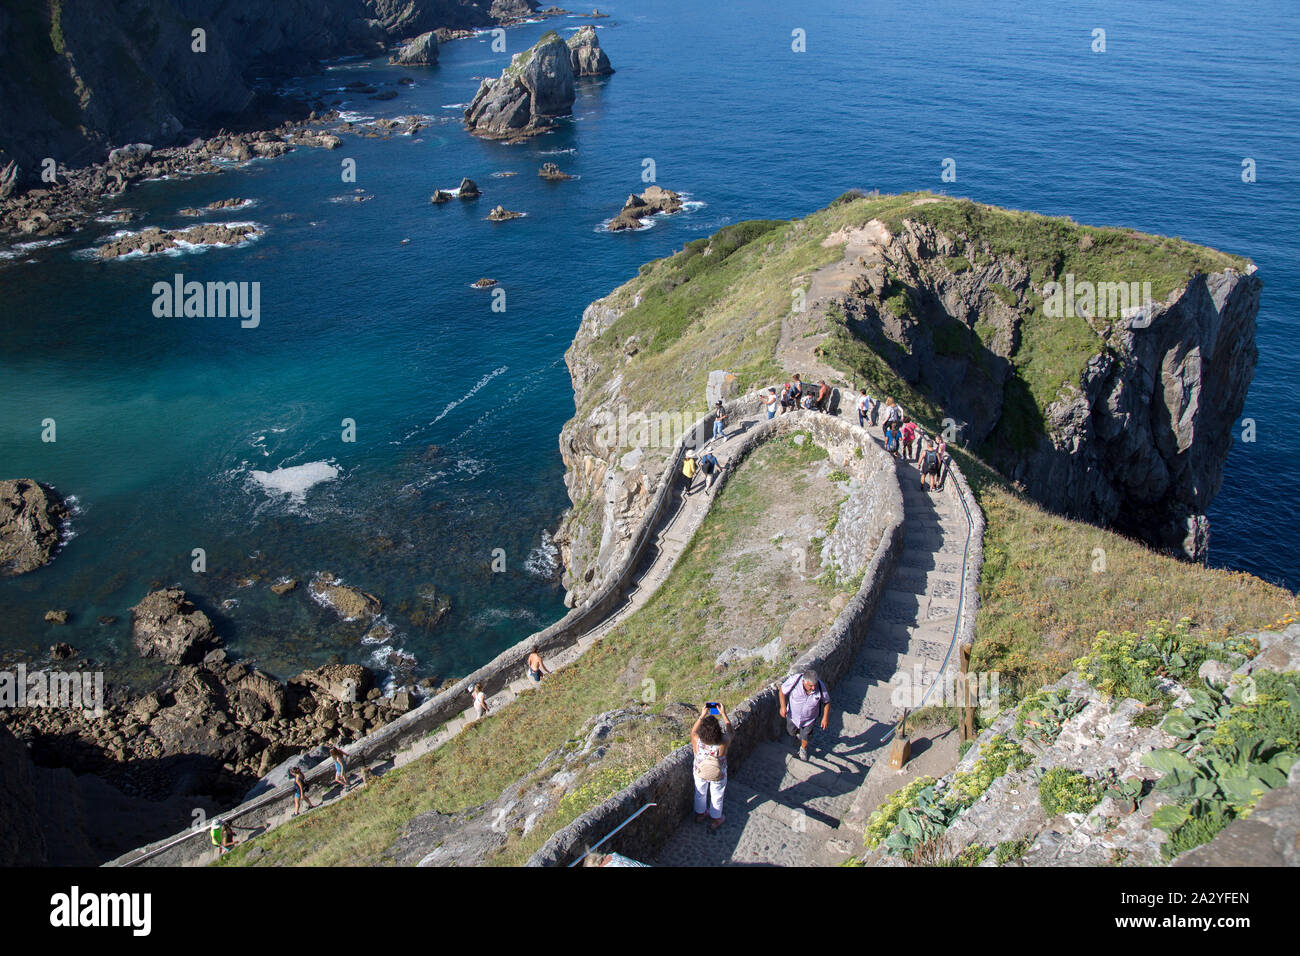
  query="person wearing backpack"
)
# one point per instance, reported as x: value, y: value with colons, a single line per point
x: 709, y: 742
x: 709, y: 465
x: 802, y: 697
x: 891, y: 438
x: 930, y: 465
x: 893, y: 414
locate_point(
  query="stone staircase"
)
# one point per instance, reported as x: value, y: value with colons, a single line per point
x: 782, y: 811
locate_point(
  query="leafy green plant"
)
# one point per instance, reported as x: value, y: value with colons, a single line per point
x: 1228, y: 756
x: 1009, y: 850
x: 883, y: 819
x: 996, y: 758
x: 1067, y: 791
x: 839, y: 474
x: 1043, y: 713
x: 1131, y: 665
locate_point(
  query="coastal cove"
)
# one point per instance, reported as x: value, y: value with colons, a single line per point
x: 200, y: 432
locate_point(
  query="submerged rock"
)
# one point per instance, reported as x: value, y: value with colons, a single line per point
x: 535, y: 89
x: 350, y: 603
x: 31, y: 515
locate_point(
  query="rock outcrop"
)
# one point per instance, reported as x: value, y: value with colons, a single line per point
x: 585, y: 54
x: 31, y: 516
x: 653, y: 201
x: 348, y: 602
x: 1137, y: 442
x: 502, y: 214
x: 529, y: 95
x: 421, y: 51
x: 168, y: 626
x: 153, y: 240
x: 83, y: 77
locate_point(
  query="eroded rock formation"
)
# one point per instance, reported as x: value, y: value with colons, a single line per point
x: 529, y: 95
x: 586, y: 56
x: 31, y: 515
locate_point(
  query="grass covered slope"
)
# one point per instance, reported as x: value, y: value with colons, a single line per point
x: 720, y: 594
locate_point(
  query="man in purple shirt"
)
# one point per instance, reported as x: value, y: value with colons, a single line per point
x: 802, y: 696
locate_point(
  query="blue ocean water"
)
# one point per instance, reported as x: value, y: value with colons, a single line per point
x: 162, y: 424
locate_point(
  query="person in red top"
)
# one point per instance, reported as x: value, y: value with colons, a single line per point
x: 908, y: 438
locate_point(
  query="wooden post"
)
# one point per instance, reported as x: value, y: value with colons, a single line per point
x: 968, y: 709
x: 900, y: 751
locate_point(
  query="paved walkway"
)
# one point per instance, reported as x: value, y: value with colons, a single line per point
x: 783, y: 811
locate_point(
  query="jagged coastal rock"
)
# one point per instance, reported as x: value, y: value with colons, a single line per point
x: 1137, y: 442
x: 350, y: 603
x: 654, y: 200
x: 468, y: 189
x: 552, y: 173
x: 154, y: 240
x: 502, y: 214
x: 586, y: 56
x: 534, y: 90
x: 421, y: 51
x: 31, y: 516
x: 440, y: 196
x: 168, y: 626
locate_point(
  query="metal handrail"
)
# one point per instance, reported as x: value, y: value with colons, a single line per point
x: 961, y: 603
x: 611, y: 833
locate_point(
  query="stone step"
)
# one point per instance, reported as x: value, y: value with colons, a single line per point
x: 785, y: 808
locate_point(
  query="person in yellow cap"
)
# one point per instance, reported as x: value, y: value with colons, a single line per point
x: 688, y: 469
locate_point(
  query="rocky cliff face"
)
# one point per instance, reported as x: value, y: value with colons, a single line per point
x: 609, y: 486
x: 535, y: 89
x: 21, y: 840
x: 83, y: 76
x: 586, y: 56
x: 1138, y: 443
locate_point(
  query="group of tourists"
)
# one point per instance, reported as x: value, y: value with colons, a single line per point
x: 905, y: 440
x: 805, y: 705
x: 798, y: 395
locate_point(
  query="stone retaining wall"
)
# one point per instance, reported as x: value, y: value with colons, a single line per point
x: 668, y: 784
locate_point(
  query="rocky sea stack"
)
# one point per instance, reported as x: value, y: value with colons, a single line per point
x: 31, y: 515
x: 587, y: 58
x: 534, y: 90
x: 421, y: 51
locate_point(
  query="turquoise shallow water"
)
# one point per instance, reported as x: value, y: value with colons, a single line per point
x: 163, y: 422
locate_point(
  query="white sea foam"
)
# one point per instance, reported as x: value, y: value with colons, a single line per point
x: 544, y: 560
x: 453, y: 405
x: 38, y: 244
x: 295, y: 481
x: 454, y: 106
x: 351, y: 116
